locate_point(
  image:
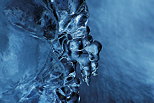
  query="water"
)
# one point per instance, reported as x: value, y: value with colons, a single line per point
x: 125, y: 29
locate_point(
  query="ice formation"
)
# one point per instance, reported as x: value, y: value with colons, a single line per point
x: 63, y: 23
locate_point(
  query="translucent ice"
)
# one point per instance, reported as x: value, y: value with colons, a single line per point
x: 63, y: 23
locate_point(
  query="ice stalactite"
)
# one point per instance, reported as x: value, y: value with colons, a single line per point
x: 63, y: 23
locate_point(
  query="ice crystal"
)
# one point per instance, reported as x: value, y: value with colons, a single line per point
x: 63, y: 23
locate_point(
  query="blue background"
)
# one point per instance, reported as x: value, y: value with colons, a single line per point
x: 126, y: 30
x: 126, y: 68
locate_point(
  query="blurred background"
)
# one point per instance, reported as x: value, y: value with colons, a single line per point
x: 126, y: 73
x: 126, y: 68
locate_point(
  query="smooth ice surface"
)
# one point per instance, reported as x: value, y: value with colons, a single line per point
x: 17, y: 54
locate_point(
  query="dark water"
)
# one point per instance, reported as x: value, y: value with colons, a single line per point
x: 126, y: 73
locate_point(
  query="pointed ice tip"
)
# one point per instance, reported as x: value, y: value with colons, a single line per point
x: 87, y: 84
x: 94, y: 74
x: 87, y: 81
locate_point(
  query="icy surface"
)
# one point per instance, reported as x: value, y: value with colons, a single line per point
x: 124, y: 27
x: 64, y: 46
